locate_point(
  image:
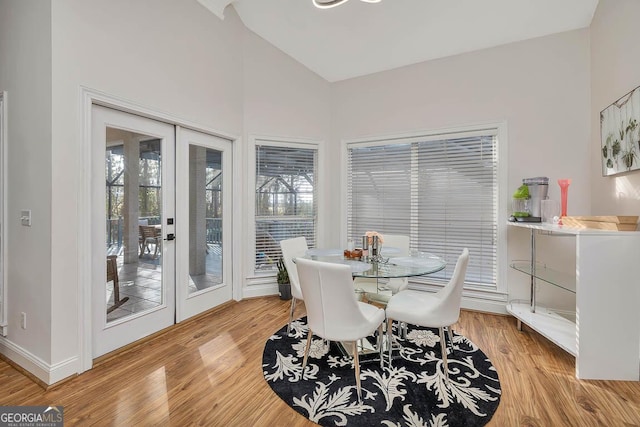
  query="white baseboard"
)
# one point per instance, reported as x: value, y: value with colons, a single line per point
x: 489, y: 305
x: 261, y: 290
x: 484, y: 305
x: 48, y: 374
x: 474, y: 299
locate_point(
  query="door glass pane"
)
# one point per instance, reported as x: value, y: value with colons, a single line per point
x: 133, y: 223
x: 205, y: 218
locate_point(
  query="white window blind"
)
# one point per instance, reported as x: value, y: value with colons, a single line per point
x: 285, y: 198
x: 441, y: 190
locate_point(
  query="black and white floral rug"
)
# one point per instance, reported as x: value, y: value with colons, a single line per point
x: 413, y: 392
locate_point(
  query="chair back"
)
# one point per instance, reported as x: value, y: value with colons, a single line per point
x: 333, y: 312
x: 402, y: 243
x: 293, y: 248
x: 397, y: 241
x: 448, y: 310
x: 148, y: 232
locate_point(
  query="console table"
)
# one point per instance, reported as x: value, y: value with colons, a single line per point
x: 605, y: 339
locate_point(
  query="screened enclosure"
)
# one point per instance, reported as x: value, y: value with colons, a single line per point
x: 285, y: 199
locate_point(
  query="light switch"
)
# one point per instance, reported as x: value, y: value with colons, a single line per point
x: 25, y: 217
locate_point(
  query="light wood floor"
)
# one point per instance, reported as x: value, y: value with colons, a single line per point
x: 208, y: 372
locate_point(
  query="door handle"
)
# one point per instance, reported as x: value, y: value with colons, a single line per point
x: 171, y: 236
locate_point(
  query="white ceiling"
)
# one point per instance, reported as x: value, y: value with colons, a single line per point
x: 359, y: 38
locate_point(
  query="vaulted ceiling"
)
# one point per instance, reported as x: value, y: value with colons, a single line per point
x: 359, y: 38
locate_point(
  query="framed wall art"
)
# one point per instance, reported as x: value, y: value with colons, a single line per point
x: 620, y: 134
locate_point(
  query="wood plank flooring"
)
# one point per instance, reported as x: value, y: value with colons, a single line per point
x: 208, y: 372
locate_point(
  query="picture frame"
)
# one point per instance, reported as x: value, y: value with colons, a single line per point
x: 620, y: 134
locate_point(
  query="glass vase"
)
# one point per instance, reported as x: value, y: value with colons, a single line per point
x: 564, y: 188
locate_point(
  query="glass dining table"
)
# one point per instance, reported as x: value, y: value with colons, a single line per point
x: 389, y: 265
x: 376, y: 272
x: 386, y: 266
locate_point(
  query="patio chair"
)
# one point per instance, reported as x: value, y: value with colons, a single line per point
x: 112, y: 276
x: 150, y: 235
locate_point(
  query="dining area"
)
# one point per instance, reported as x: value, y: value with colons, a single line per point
x: 377, y: 280
x: 362, y: 314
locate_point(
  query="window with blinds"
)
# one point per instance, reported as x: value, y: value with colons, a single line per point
x: 285, y: 198
x: 440, y: 190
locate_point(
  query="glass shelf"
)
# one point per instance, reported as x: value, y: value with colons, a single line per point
x: 557, y: 278
x: 549, y: 324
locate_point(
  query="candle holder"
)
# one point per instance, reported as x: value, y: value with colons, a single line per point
x: 564, y: 189
x: 373, y: 242
x: 365, y: 246
x: 374, y: 246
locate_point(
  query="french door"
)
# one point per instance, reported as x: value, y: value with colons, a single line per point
x: 153, y: 264
x: 133, y: 256
x: 203, y: 200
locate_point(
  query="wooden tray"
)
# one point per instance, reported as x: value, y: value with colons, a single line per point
x: 615, y: 223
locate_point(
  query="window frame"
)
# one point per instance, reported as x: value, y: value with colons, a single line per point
x: 493, y: 293
x: 256, y: 277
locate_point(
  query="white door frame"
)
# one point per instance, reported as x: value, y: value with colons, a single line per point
x: 89, y: 97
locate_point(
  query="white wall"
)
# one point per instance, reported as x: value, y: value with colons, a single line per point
x: 25, y: 73
x: 174, y: 57
x: 171, y: 57
x: 615, y: 70
x: 540, y: 87
x: 281, y: 96
x: 282, y: 99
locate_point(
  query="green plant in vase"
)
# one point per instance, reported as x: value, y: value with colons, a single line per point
x: 284, y: 285
x: 283, y: 275
x: 630, y: 130
x: 520, y: 198
x: 606, y: 149
x: 615, y: 149
x: 629, y: 155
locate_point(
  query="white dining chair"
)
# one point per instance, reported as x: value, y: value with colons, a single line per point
x: 333, y: 313
x: 293, y: 248
x: 433, y: 310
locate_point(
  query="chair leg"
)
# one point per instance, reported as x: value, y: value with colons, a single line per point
x: 450, y: 338
x: 389, y: 338
x: 381, y: 345
x: 306, y: 352
x: 356, y: 368
x: 293, y: 307
x: 443, y: 348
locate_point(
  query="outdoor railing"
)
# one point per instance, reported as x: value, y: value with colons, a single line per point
x: 115, y: 229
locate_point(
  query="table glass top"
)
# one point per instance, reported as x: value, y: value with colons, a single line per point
x: 401, y: 266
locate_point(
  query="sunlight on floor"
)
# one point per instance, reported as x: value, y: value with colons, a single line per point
x: 151, y: 393
x: 217, y: 366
